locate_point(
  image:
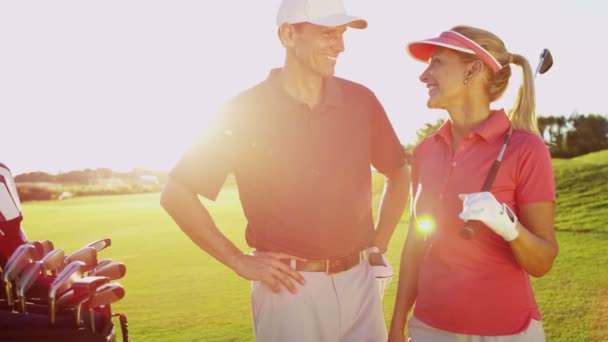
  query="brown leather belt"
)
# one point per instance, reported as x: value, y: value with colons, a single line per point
x: 329, y: 266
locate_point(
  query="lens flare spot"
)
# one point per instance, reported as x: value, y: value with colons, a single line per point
x: 425, y: 224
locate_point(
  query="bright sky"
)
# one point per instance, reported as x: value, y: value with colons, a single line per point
x: 125, y: 83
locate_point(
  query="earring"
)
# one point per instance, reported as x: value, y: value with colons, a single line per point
x: 466, y: 80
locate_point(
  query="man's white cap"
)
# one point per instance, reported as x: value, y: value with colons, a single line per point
x: 321, y: 12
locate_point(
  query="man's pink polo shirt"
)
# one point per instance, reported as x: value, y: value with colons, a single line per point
x: 303, y: 175
x: 476, y: 287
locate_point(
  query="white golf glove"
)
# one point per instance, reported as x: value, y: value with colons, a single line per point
x: 483, y: 206
x: 383, y: 271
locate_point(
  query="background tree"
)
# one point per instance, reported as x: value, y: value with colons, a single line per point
x: 566, y: 137
x: 588, y: 134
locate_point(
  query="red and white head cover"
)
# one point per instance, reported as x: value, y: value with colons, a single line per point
x: 11, y: 234
x: 422, y: 50
x: 10, y: 207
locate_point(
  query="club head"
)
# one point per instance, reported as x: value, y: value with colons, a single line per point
x: 72, y: 272
x: 87, y: 254
x: 101, y: 244
x: 66, y: 278
x: 17, y: 263
x: 31, y: 273
x: 102, y: 263
x: 82, y: 290
x: 114, y: 271
x: 47, y: 246
x: 23, y: 251
x: 53, y: 261
x: 106, y: 294
x: 42, y: 246
x: 89, y: 285
x: 545, y: 63
x: 39, y: 248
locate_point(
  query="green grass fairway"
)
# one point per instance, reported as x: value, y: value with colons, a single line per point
x: 581, y: 193
x: 175, y: 292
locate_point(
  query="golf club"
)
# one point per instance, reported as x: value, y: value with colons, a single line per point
x: 101, y: 244
x: 114, y: 271
x: 63, y: 283
x: 15, y: 266
x: 17, y: 254
x: 101, y: 263
x: 42, y: 246
x: 87, y: 254
x: 545, y: 63
x: 82, y: 290
x: 105, y: 295
x: 53, y: 262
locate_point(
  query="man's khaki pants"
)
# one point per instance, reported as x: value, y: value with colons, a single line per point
x: 339, y: 307
x: 420, y: 331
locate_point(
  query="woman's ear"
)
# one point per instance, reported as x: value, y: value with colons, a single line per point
x: 475, y: 68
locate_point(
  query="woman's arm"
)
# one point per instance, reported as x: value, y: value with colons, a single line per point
x: 532, y: 235
x: 407, y: 288
x: 535, y: 247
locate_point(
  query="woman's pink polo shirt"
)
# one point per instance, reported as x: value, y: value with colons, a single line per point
x: 476, y: 287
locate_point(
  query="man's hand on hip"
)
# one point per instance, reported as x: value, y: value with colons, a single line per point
x: 268, y: 268
x: 383, y: 271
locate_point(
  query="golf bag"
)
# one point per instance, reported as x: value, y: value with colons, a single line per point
x: 25, y: 310
x: 20, y: 327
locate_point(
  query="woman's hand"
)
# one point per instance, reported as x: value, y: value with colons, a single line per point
x: 483, y: 206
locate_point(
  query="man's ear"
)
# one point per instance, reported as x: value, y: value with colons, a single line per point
x: 287, y: 35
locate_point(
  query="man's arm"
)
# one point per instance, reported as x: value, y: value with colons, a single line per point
x: 392, y: 205
x: 194, y: 219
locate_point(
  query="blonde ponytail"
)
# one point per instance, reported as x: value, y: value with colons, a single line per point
x: 523, y: 113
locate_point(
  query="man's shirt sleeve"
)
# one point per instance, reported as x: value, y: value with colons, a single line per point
x: 387, y: 152
x: 203, y: 168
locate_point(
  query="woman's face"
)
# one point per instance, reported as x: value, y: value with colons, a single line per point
x: 444, y: 78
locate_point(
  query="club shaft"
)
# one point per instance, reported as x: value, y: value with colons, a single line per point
x: 470, y: 227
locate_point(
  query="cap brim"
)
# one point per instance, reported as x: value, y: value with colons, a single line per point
x: 422, y: 50
x: 341, y: 19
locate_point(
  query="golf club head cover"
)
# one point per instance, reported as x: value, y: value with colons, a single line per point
x: 483, y: 206
x: 11, y: 234
x: 383, y: 271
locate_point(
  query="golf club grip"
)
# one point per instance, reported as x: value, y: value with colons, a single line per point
x: 471, y: 226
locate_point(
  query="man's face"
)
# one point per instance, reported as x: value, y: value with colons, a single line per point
x: 317, y: 47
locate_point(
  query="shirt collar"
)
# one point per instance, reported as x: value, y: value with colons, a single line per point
x: 332, y: 91
x: 445, y: 132
x: 490, y: 130
x: 494, y: 127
